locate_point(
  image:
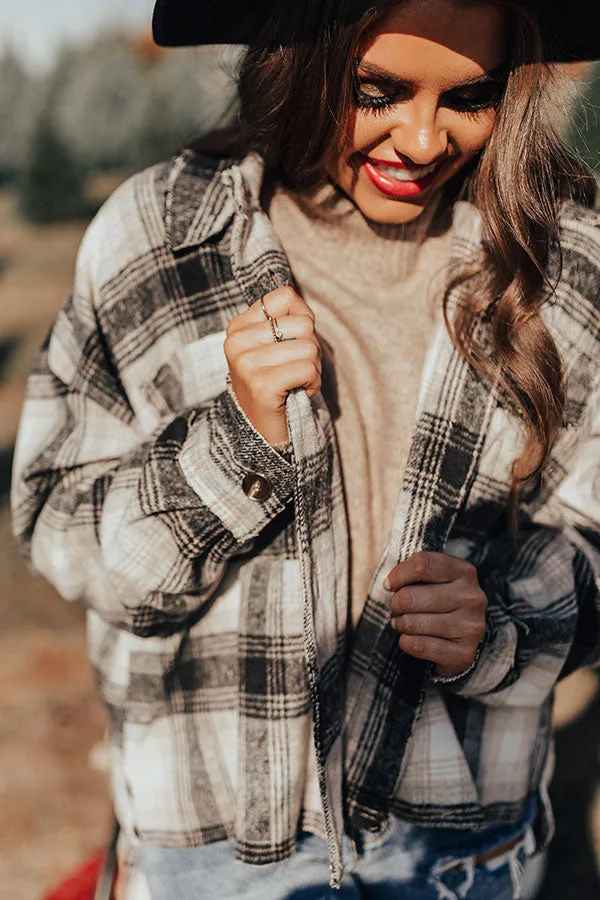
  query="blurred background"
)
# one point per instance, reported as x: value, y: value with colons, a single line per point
x: 85, y: 99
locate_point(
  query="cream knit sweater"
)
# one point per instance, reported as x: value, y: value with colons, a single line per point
x: 376, y: 293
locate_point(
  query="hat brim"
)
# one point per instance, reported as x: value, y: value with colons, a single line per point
x: 182, y: 23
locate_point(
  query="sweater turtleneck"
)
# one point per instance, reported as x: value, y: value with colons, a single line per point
x: 376, y: 291
x: 365, y: 251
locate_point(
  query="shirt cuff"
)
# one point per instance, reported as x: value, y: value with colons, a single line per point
x: 234, y: 470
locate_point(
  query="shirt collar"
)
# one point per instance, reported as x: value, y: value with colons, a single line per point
x: 203, y: 194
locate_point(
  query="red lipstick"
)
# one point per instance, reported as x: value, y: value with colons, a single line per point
x: 385, y: 175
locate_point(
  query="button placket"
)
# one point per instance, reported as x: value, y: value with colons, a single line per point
x: 365, y: 821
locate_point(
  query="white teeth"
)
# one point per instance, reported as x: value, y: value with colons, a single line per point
x: 406, y: 174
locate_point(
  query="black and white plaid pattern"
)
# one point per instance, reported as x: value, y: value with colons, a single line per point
x: 217, y: 623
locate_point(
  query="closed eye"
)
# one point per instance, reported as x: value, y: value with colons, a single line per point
x: 376, y: 98
x: 473, y: 101
x: 376, y: 92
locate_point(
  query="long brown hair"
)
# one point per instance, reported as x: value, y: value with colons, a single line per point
x: 296, y: 92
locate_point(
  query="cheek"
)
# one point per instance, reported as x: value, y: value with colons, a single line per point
x: 363, y: 134
x: 472, y: 135
x: 369, y: 130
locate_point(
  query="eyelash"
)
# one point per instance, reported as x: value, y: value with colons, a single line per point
x: 379, y: 105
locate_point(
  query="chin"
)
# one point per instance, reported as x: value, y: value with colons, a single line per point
x: 389, y: 212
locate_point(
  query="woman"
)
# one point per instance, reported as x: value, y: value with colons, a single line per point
x: 315, y: 439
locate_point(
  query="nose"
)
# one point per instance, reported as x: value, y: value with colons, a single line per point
x: 419, y: 137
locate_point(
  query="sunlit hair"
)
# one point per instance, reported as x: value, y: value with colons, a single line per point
x: 297, y: 96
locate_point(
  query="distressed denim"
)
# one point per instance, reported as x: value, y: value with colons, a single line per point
x: 408, y: 862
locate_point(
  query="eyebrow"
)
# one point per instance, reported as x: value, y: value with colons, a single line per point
x: 375, y: 71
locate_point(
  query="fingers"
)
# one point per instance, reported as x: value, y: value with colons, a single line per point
x: 429, y: 568
x: 257, y: 333
x: 272, y: 384
x: 421, y: 598
x: 444, y: 625
x: 451, y: 657
x: 280, y: 303
x: 273, y: 356
x: 263, y: 371
x: 283, y: 302
x: 301, y: 373
x: 438, y: 607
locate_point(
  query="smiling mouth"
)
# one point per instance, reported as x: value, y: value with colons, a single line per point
x: 399, y: 181
x: 405, y: 173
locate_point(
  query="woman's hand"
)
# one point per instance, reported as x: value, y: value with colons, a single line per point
x: 439, y: 609
x: 262, y: 371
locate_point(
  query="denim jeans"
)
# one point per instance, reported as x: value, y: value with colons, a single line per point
x: 407, y: 862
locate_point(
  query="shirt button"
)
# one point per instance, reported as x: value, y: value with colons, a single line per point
x: 365, y: 821
x: 256, y: 486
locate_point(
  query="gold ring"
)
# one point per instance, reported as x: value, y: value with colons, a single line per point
x: 277, y: 332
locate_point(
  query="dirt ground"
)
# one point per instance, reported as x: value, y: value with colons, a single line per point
x: 54, y: 801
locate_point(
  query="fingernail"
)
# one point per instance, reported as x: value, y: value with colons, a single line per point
x: 386, y: 584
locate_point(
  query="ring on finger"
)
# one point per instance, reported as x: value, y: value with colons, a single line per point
x: 264, y: 309
x: 277, y: 332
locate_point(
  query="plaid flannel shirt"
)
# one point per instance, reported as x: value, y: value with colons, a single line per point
x: 217, y: 622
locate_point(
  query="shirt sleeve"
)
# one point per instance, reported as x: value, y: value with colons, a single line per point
x: 543, y: 619
x: 139, y: 526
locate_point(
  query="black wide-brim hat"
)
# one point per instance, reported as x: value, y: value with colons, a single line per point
x: 573, y: 27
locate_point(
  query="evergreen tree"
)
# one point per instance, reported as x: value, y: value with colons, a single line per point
x: 19, y: 102
x: 100, y: 103
x: 51, y: 184
x: 190, y: 92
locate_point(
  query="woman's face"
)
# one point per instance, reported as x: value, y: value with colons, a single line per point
x: 425, y: 105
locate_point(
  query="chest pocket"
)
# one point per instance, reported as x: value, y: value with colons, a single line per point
x: 193, y: 375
